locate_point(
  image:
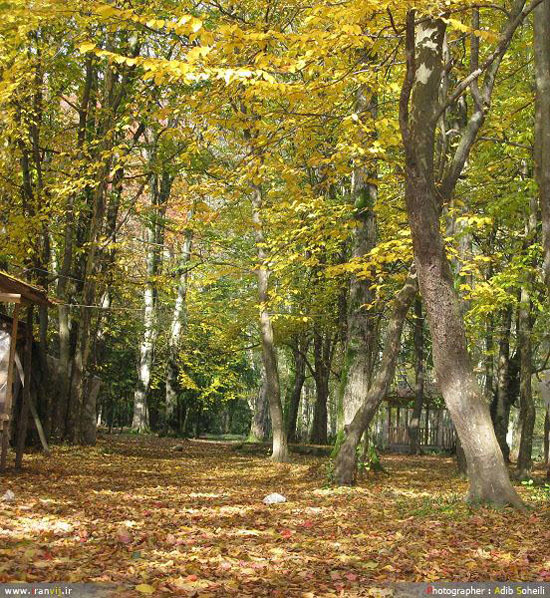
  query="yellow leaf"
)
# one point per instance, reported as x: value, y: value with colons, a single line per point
x: 145, y: 588
x: 86, y: 47
x: 107, y: 11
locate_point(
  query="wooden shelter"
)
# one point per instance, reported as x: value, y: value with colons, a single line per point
x: 21, y: 295
x: 435, y: 430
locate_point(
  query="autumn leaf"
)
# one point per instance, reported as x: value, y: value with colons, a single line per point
x: 144, y: 588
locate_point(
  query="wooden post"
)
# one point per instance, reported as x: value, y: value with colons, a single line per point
x: 24, y: 414
x: 6, y: 416
x: 440, y: 440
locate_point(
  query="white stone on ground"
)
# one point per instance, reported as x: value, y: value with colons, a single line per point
x: 273, y: 499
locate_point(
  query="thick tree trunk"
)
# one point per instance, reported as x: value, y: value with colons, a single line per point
x: 269, y: 354
x: 83, y: 336
x: 89, y: 411
x: 419, y: 382
x: 526, y: 403
x: 259, y: 425
x: 320, y: 413
x: 487, y: 472
x: 362, y: 329
x: 541, y: 23
x: 346, y: 460
x: 298, y: 352
x: 488, y: 476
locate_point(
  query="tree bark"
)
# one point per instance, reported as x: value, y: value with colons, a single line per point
x: 298, y: 352
x: 362, y: 329
x: 541, y: 22
x: 419, y: 111
x: 526, y: 403
x: 419, y: 375
x: 269, y: 354
x: 178, y: 315
x: 259, y: 426
x: 160, y: 192
x: 322, y: 345
x: 346, y: 460
x: 503, y: 400
x: 525, y: 324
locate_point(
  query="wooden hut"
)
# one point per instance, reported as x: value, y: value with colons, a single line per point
x: 23, y: 296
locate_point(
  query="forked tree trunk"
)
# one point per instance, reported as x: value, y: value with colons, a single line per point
x: 269, y: 354
x: 419, y: 111
x: 346, y: 460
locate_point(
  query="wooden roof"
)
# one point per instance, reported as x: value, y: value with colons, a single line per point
x: 29, y: 292
x: 403, y: 392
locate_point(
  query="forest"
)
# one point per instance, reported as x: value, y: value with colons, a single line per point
x: 274, y: 295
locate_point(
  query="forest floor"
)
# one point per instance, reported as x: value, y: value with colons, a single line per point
x: 133, y: 512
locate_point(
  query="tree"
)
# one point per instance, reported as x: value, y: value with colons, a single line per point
x: 345, y: 463
x: 419, y: 111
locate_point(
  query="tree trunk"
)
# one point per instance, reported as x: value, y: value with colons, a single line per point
x: 171, y: 380
x: 527, y: 412
x: 83, y: 336
x: 298, y: 352
x: 89, y: 411
x: 362, y: 329
x: 346, y: 460
x: 487, y: 472
x: 259, y: 426
x: 322, y: 352
x: 527, y: 405
x: 269, y: 354
x: 27, y: 398
x: 414, y: 424
x: 503, y: 400
x: 541, y: 23
x: 160, y: 192
x: 140, y: 417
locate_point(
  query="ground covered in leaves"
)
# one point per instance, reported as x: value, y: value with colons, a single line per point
x: 134, y: 513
